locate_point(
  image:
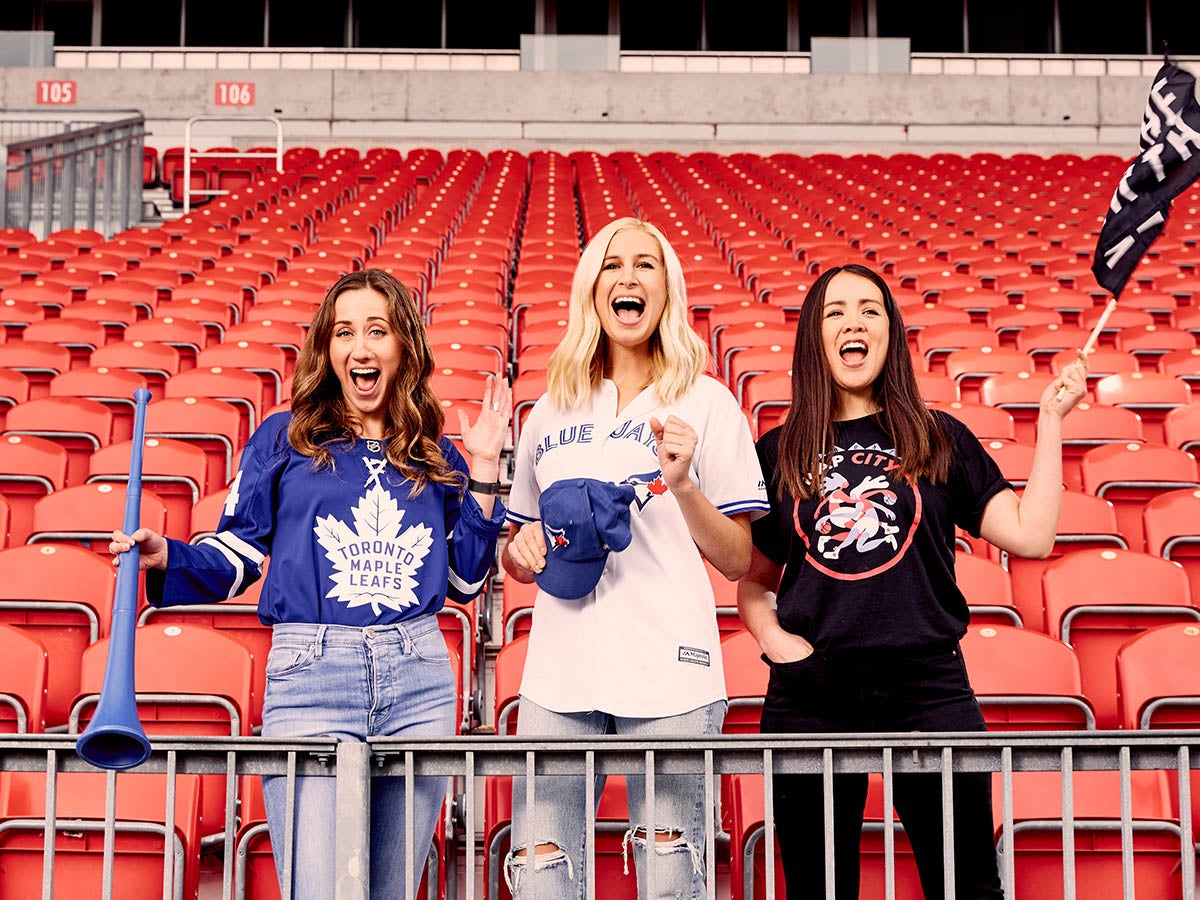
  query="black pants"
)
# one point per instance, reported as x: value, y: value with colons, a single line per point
x: 892, y: 692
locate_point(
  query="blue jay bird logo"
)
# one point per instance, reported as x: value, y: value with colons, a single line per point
x: 555, y: 537
x: 647, y: 486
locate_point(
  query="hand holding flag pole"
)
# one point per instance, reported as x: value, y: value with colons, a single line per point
x: 1093, y: 337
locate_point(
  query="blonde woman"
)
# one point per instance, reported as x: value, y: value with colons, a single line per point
x: 632, y: 467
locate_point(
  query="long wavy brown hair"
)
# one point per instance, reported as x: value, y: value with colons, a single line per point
x: 321, y: 417
x: 807, y: 435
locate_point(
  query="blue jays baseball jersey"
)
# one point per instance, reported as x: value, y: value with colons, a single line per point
x: 347, y: 544
x: 645, y: 642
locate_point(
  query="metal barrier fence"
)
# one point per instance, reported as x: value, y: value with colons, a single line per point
x: 75, y: 177
x: 1130, y: 830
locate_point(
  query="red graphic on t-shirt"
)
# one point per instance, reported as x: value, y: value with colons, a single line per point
x: 855, y: 531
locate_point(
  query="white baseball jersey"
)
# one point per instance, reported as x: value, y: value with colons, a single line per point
x: 645, y: 642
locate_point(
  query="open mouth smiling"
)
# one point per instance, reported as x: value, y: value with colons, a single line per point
x: 853, y: 352
x: 364, y: 379
x: 628, y: 310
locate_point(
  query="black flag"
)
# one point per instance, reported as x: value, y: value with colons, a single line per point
x: 1169, y: 161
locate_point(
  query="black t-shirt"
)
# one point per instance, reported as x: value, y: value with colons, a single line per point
x: 869, y: 561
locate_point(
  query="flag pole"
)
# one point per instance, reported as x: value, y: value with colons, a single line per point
x: 1090, y: 345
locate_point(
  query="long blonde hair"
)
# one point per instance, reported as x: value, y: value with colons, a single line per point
x: 678, y: 355
x: 320, y: 415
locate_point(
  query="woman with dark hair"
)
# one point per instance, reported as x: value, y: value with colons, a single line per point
x: 371, y: 518
x: 851, y: 591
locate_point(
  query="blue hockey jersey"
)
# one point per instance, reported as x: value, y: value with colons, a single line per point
x: 347, y: 544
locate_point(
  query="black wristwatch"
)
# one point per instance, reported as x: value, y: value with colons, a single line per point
x: 483, y: 487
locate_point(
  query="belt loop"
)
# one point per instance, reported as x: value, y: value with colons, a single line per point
x: 405, y: 638
x: 319, y: 640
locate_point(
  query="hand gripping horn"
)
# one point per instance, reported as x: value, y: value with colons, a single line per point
x: 115, y: 739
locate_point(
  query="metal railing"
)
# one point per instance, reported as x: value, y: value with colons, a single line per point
x: 471, y: 760
x: 76, y: 177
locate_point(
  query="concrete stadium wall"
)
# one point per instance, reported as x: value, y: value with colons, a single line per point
x: 524, y: 110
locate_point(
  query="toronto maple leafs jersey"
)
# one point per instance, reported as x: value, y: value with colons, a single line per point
x: 347, y: 544
x: 645, y: 642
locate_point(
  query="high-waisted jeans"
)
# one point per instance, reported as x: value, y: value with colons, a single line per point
x: 350, y: 684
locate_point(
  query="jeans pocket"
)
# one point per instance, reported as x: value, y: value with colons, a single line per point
x: 430, y: 646
x: 287, y: 659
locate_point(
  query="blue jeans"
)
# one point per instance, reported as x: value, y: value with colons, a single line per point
x: 349, y: 684
x: 558, y: 816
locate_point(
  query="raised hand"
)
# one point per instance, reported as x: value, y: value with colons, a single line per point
x: 485, y: 439
x: 675, y: 441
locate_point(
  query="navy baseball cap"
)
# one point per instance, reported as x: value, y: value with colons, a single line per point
x: 582, y: 519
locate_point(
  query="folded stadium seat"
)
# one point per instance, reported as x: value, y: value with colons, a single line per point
x: 128, y: 288
x: 177, y: 471
x: 1036, y: 849
x: 975, y: 300
x: 241, y: 389
x: 84, y: 515
x: 1097, y: 599
x: 251, y: 273
x: 1102, y: 362
x: 214, y: 425
x: 80, y: 862
x: 235, y: 295
x: 1041, y: 342
x: 210, y: 695
x: 1068, y: 302
x: 612, y: 817
x: 79, y: 424
x: 746, y: 362
x: 1009, y: 321
x: 969, y: 366
x: 1019, y: 394
x: 755, y: 331
x: 987, y: 587
x: 1188, y: 318
x: 215, y: 315
x: 15, y: 315
x: 1160, y: 304
x: 94, y: 267
x: 79, y: 336
x: 937, y: 387
x: 22, y: 682
x: 187, y: 336
x: 286, y: 287
x: 517, y: 607
x: 1157, y: 688
x: 154, y: 361
x: 744, y: 316
x: 14, y: 389
x: 13, y: 239
x: 527, y: 387
x: 467, y: 311
x: 767, y: 397
x: 265, y: 360
x: 62, y: 595
x: 1015, y: 459
x: 114, y: 387
x: 922, y: 314
x: 936, y: 342
x: 1122, y: 317
x: 468, y: 357
x: 476, y: 331
x: 286, y: 334
x: 1129, y: 475
x: 114, y: 315
x: 1181, y: 428
x: 988, y: 423
x: 274, y: 264
x: 1150, y: 342
x: 1183, y: 364
x: 1150, y: 394
x: 1025, y: 680
x: 30, y: 468
x: 300, y: 312
x: 1172, y: 531
x: 787, y: 291
x: 1015, y: 284
x: 39, y: 361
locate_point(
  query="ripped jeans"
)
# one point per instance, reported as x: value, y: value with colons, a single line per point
x: 558, y: 816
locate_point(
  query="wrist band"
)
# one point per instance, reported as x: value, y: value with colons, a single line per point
x: 483, y: 487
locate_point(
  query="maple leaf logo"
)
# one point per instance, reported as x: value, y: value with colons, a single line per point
x: 375, y: 563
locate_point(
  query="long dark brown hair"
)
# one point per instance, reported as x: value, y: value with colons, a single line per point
x: 921, y: 443
x: 320, y: 414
